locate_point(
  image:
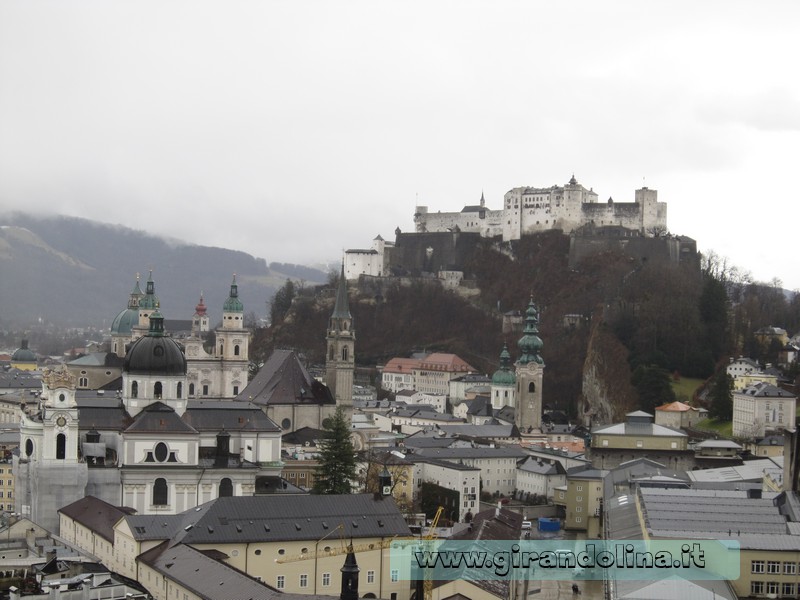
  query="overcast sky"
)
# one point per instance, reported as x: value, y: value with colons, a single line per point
x: 292, y: 130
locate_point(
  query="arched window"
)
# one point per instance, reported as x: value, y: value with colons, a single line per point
x: 225, y: 488
x: 83, y: 382
x: 344, y: 353
x: 135, y: 389
x: 220, y: 349
x: 160, y: 496
x: 191, y: 390
x: 61, y: 446
x: 157, y: 389
x: 331, y: 352
x: 179, y: 392
x: 531, y: 387
x: 236, y: 350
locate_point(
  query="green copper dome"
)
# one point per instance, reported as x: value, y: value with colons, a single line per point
x: 530, y: 344
x: 504, y: 376
x: 123, y: 323
x: 23, y: 354
x: 233, y: 304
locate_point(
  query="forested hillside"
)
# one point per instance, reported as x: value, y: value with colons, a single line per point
x: 647, y: 321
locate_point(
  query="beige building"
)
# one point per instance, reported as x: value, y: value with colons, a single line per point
x: 294, y: 543
x: 679, y: 415
x: 762, y: 408
x: 582, y: 500
x: 639, y: 437
x: 769, y: 552
x: 6, y: 485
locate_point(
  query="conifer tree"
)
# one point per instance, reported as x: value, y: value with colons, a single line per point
x: 337, y: 458
x: 721, y: 396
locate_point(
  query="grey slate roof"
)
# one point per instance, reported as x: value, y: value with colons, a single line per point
x: 284, y: 380
x: 159, y: 418
x: 96, y: 514
x: 488, y: 430
x: 280, y: 518
x: 98, y: 359
x: 230, y: 416
x: 542, y: 467
x: 107, y: 413
x: 456, y: 453
x: 208, y: 578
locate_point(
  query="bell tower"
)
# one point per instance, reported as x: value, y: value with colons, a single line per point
x: 530, y: 371
x: 340, y: 360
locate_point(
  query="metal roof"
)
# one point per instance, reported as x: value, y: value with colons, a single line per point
x: 282, y: 518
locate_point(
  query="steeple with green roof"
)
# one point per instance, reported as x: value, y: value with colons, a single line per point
x: 149, y: 301
x: 233, y: 304
x: 504, y: 376
x: 530, y: 344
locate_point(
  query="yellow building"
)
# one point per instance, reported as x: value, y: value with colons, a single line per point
x: 582, y: 500
x: 6, y: 485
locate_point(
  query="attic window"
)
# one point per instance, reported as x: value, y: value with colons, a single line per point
x: 210, y: 529
x: 266, y: 527
x: 297, y: 526
x: 355, y: 525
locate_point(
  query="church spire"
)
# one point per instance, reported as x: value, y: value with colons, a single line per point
x: 341, y: 309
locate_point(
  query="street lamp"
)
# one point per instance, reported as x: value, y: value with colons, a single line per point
x: 316, y: 551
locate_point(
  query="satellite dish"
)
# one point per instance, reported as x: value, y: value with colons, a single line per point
x: 398, y: 454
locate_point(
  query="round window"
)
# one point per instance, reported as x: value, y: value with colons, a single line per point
x: 281, y: 551
x: 28, y: 447
x: 161, y: 452
x: 62, y: 397
x: 258, y: 552
x: 286, y: 423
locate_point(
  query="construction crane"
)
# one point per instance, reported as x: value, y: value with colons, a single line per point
x: 427, y: 582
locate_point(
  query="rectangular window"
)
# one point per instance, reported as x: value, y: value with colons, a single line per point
x: 578, y: 519
x: 605, y: 442
x: 579, y: 488
x: 326, y: 579
x: 303, y: 580
x: 578, y: 498
x: 772, y: 587
x: 773, y: 566
x: 639, y: 444
x: 578, y: 509
x: 756, y: 588
x: 757, y: 566
x: 788, y: 589
x: 395, y: 575
x: 370, y: 576
x: 280, y: 582
x: 789, y: 568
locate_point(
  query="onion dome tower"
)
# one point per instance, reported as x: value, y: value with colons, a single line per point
x: 232, y: 345
x: 530, y: 371
x: 124, y: 323
x: 504, y: 382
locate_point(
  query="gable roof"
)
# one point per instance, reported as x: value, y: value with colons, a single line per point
x: 228, y: 415
x: 206, y: 577
x: 97, y: 515
x: 284, y: 380
x: 159, y: 418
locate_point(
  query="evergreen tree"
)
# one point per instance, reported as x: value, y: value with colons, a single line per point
x: 337, y: 458
x: 653, y: 386
x: 721, y: 397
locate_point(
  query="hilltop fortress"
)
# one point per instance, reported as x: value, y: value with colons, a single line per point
x: 529, y: 210
x: 442, y: 242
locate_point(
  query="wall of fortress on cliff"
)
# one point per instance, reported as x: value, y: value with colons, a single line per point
x: 529, y: 210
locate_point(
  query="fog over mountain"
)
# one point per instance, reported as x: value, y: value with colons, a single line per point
x: 71, y: 271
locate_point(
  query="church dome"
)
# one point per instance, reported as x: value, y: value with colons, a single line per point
x: 155, y: 353
x: 23, y: 354
x: 504, y: 376
x: 123, y: 323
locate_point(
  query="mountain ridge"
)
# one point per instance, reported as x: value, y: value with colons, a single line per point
x: 71, y: 271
